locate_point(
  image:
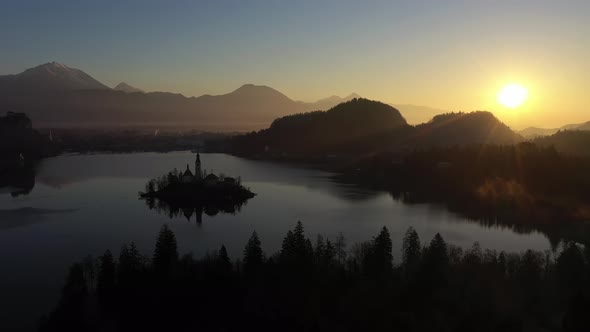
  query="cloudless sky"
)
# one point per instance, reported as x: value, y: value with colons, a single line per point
x: 454, y: 55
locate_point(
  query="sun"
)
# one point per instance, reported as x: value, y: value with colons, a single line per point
x: 513, y: 95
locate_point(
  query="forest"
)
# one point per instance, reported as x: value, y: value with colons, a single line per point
x: 573, y: 142
x: 327, y: 285
x: 20, y: 144
x: 514, y: 183
x: 361, y: 127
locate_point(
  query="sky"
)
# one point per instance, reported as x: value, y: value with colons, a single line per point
x: 452, y: 55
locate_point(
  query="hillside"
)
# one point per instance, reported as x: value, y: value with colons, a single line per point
x: 572, y: 142
x: 478, y: 127
x: 20, y: 144
x: 338, y: 130
x: 362, y: 127
x: 533, y: 132
x: 249, y: 103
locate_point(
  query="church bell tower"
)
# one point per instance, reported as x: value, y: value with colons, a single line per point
x: 198, y: 172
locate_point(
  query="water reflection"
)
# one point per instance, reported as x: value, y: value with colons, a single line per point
x: 555, y: 223
x: 72, y: 170
x: 194, y: 211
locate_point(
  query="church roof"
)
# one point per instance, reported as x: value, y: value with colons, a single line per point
x: 187, y: 172
x: 211, y: 177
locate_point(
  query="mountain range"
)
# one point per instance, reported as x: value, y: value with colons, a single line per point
x: 534, y: 132
x: 50, y: 77
x: 55, y: 95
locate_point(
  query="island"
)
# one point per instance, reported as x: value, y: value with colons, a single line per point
x: 184, y: 193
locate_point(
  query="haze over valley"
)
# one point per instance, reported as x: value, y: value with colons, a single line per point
x: 68, y: 97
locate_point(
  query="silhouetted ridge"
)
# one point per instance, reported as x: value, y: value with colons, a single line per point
x: 321, y: 132
x: 362, y: 127
x: 345, y: 116
x: 248, y: 89
x: 54, y: 94
x: 584, y: 126
x: 327, y: 103
x: 534, y: 132
x: 573, y: 142
x: 51, y: 76
x: 127, y: 88
x: 478, y: 127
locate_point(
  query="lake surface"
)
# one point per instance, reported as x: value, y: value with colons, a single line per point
x: 85, y: 204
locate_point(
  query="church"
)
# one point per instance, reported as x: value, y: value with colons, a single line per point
x: 188, y: 176
x: 199, y: 176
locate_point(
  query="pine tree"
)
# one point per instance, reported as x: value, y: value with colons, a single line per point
x: 438, y: 250
x: 382, y: 257
x: 412, y: 251
x: 124, y: 270
x: 340, y: 247
x: 299, y: 235
x: 307, y: 253
x: 253, y: 255
x: 570, y: 266
x: 135, y: 258
x: 223, y: 258
x: 296, y: 249
x: 288, y: 247
x: 319, y: 250
x: 436, y: 262
x: 329, y: 253
x: 130, y: 263
x: 106, y: 276
x: 166, y: 252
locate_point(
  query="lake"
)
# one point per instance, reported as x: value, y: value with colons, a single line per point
x: 85, y: 204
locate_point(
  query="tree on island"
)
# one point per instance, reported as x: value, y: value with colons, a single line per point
x: 183, y: 194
